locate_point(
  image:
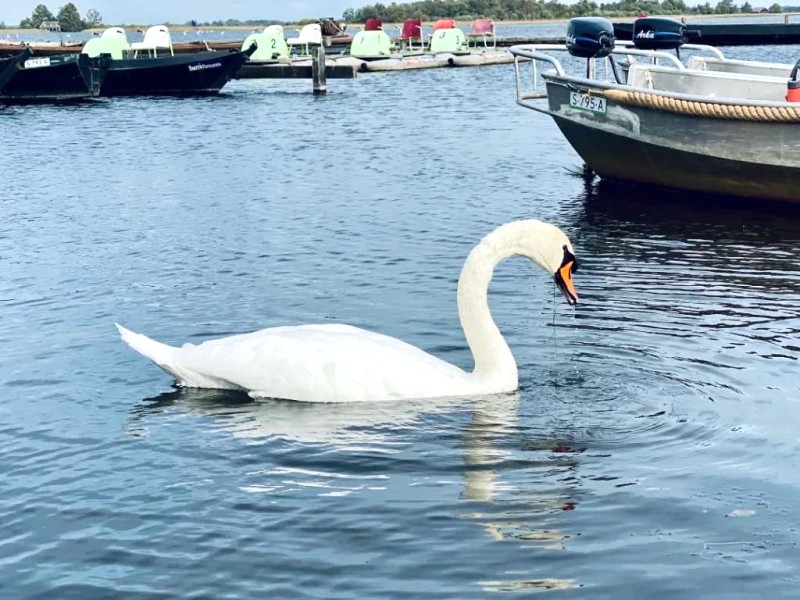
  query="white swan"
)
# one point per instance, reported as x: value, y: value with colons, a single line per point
x: 341, y: 363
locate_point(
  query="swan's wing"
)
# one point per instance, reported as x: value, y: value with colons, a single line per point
x: 324, y: 363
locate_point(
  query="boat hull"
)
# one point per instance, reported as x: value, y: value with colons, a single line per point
x: 53, y: 79
x: 644, y: 145
x: 202, y: 73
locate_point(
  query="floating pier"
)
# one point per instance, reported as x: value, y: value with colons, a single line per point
x: 437, y: 61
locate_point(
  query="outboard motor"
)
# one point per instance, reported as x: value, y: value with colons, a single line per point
x: 590, y: 37
x: 793, y: 87
x: 658, y: 33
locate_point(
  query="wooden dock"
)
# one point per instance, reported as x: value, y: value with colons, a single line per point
x: 293, y: 71
x: 317, y: 68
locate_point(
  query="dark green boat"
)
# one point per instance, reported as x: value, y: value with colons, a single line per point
x: 136, y: 71
x: 25, y: 78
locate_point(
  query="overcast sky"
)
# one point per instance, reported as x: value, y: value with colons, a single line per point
x: 179, y: 11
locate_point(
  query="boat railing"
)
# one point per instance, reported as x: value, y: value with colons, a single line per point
x: 533, y: 54
x: 697, y: 48
x: 742, y: 67
x: 536, y: 53
x: 673, y: 81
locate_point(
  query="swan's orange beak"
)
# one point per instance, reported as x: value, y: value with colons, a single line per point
x: 564, y: 277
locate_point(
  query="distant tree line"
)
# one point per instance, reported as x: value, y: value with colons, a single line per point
x: 536, y: 9
x: 235, y: 23
x: 247, y: 23
x: 68, y: 18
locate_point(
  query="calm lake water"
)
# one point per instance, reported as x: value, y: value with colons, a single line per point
x: 652, y: 450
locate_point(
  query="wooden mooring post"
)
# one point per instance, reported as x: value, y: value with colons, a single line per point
x: 318, y: 75
x: 317, y: 69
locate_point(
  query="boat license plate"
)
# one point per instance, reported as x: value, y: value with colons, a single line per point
x: 33, y: 63
x: 595, y: 104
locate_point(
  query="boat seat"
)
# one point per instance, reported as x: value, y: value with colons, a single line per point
x: 411, y: 32
x: 114, y: 32
x: 271, y: 45
x: 707, y: 83
x: 483, y: 30
x: 154, y: 38
x: 373, y: 25
x: 309, y: 35
x: 112, y: 41
x: 444, y: 24
x: 274, y: 29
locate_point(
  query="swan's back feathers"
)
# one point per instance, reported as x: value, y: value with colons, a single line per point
x: 321, y: 363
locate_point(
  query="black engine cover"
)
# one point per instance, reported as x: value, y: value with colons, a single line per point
x: 657, y: 33
x: 590, y: 37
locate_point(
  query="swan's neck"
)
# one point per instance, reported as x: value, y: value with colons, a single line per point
x: 494, y: 363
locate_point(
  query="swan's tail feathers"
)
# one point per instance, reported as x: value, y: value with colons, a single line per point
x: 159, y: 353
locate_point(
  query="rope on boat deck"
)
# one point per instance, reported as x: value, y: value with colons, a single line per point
x: 735, y: 112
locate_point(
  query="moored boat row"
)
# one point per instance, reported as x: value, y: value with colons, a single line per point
x: 446, y: 45
x: 138, y: 69
x: 373, y: 50
x: 151, y: 67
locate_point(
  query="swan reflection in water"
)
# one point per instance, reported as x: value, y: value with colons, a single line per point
x: 491, y: 443
x: 342, y: 425
x: 521, y: 511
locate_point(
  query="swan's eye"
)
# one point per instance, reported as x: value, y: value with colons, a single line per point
x: 574, y: 268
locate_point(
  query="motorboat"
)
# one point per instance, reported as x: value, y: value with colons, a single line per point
x: 151, y: 67
x: 27, y: 78
x: 636, y: 112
